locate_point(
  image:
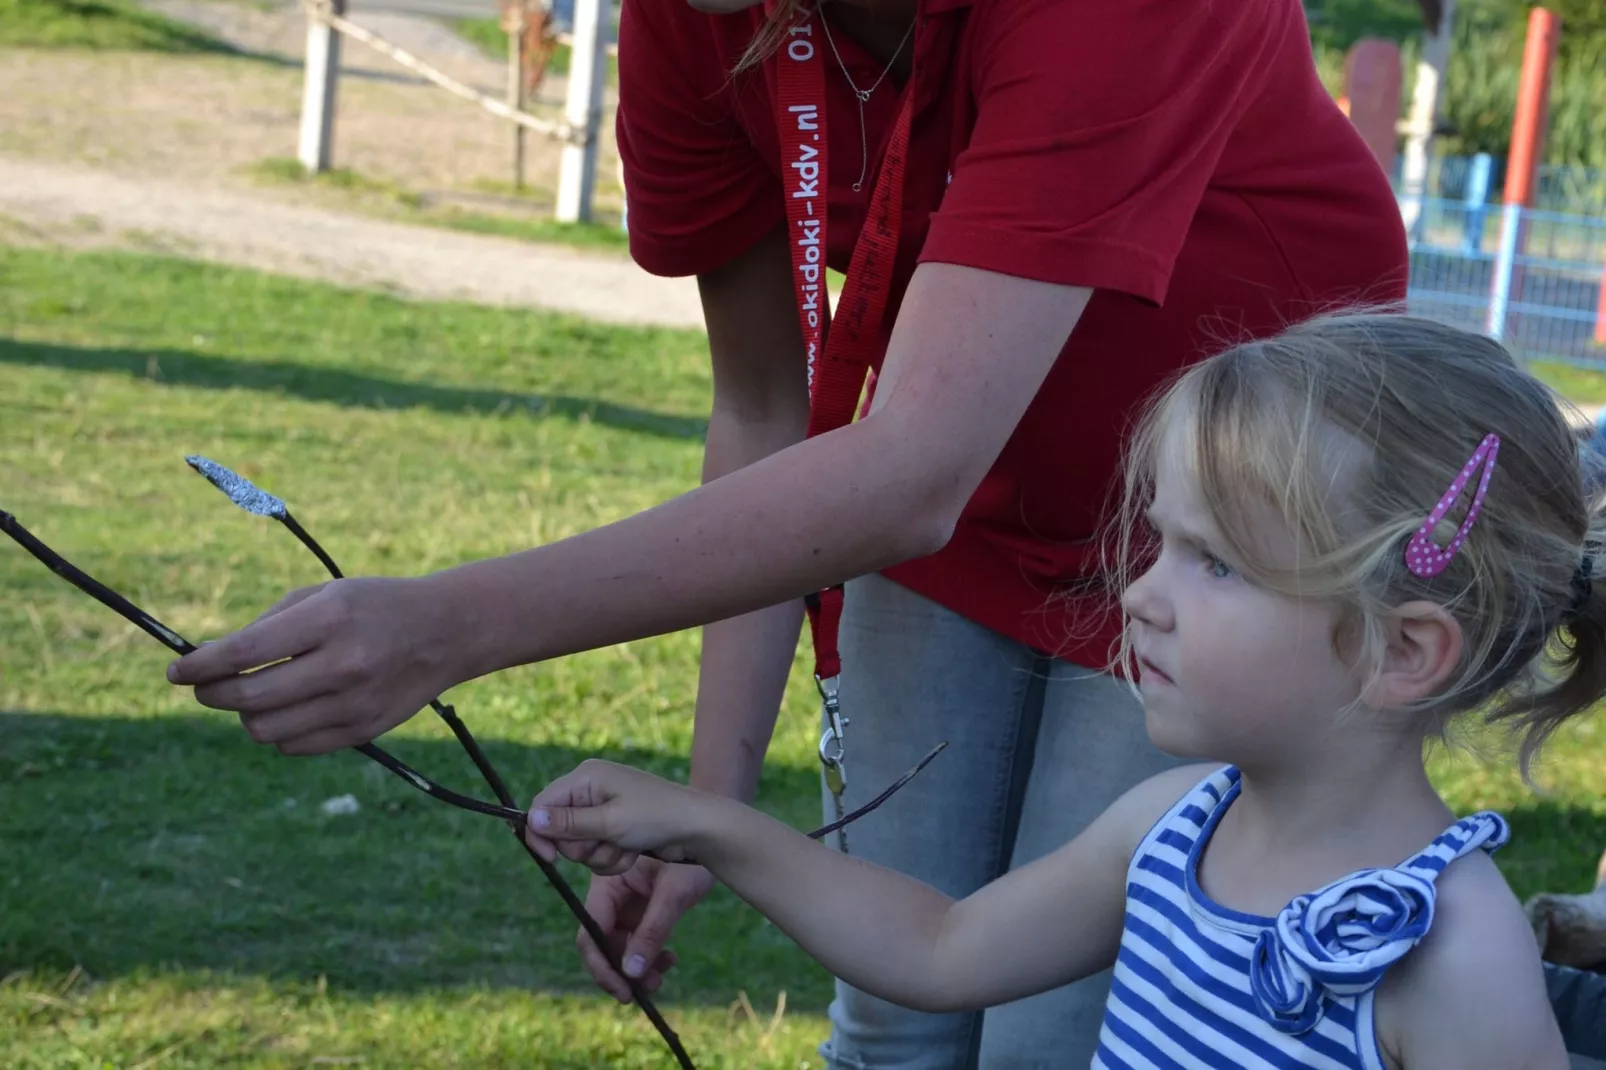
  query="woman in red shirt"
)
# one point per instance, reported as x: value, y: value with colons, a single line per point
x: 1063, y: 203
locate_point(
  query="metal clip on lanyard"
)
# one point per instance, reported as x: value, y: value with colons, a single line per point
x: 838, y: 364
x: 833, y: 751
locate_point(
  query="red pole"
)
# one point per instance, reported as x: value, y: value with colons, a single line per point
x: 1533, y: 99
x: 1522, y: 165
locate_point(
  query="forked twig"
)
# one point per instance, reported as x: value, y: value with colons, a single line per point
x: 253, y: 499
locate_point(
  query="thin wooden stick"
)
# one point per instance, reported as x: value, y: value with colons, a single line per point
x: 560, y: 131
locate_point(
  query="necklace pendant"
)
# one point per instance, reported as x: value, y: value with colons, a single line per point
x: 858, y: 187
x: 863, y: 95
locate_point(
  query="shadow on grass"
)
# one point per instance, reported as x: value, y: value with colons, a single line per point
x: 337, y: 387
x: 142, y: 844
x: 121, y: 25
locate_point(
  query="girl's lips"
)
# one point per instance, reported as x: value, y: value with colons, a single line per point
x: 1150, y: 672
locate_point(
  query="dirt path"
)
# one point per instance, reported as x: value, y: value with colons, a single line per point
x: 48, y: 202
x: 165, y: 151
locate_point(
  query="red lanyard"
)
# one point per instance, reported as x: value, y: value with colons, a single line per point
x: 838, y: 358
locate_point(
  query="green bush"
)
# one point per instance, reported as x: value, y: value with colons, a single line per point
x: 1485, y: 69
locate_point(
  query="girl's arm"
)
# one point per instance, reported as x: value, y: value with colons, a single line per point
x: 969, y: 352
x: 1472, y: 995
x: 1049, y: 923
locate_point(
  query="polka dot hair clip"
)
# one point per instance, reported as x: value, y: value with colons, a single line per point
x: 1425, y: 556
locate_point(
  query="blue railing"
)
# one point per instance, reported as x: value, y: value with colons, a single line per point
x: 1558, y: 188
x: 1531, y: 277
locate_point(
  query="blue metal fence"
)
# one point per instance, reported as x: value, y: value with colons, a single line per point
x: 1530, y: 277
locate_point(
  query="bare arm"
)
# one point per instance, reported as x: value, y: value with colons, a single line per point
x: 969, y: 352
x: 1472, y: 995
x: 761, y: 407
x: 1049, y: 923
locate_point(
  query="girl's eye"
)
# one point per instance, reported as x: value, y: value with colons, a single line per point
x: 1216, y: 567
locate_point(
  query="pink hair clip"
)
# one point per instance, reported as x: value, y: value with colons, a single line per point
x: 1423, y: 556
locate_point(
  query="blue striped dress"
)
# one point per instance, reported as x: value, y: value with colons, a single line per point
x: 1199, y: 986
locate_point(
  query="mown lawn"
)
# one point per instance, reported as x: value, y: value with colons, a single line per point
x: 189, y: 877
x: 98, y: 24
x: 172, y: 895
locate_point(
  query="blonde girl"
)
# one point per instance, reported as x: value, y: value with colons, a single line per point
x: 1339, y: 541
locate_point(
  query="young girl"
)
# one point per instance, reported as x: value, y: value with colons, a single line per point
x: 1333, y: 542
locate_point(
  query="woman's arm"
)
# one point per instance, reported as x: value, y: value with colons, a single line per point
x: 1044, y: 925
x: 761, y: 406
x: 969, y: 351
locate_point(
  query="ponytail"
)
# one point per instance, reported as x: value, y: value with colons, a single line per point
x: 1572, y: 675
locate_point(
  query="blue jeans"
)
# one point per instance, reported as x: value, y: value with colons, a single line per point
x: 1037, y: 749
x: 1579, y: 1000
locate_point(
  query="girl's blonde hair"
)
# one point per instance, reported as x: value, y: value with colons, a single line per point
x: 1352, y: 426
x: 780, y: 18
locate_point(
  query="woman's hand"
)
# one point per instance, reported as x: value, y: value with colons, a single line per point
x: 637, y: 910
x: 604, y: 816
x: 346, y: 662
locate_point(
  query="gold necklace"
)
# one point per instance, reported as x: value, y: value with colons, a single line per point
x: 863, y: 95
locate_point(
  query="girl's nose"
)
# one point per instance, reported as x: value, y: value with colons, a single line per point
x: 1144, y: 600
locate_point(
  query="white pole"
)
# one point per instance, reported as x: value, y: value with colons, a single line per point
x: 1426, y: 101
x: 318, y: 93
x: 588, y: 67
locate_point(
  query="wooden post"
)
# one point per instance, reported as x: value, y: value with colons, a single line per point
x: 1372, y: 88
x: 322, y: 75
x: 517, y: 23
x: 588, y: 68
x: 1426, y: 104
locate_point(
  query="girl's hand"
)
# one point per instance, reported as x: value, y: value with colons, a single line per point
x: 604, y: 816
x: 346, y: 662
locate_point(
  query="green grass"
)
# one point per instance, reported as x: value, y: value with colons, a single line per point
x: 289, y: 170
x: 1579, y: 384
x: 171, y: 894
x: 97, y: 24
x: 413, y: 207
x: 492, y: 40
x: 598, y: 236
x: 191, y: 874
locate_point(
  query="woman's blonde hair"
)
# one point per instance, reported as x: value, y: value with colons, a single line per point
x: 1352, y: 426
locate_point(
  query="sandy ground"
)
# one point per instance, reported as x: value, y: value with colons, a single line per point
x: 66, y: 204
x: 161, y: 151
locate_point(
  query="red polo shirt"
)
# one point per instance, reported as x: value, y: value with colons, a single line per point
x: 1179, y: 157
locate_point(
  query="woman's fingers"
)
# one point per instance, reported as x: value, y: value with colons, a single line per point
x: 597, y: 964
x: 275, y: 689
x: 291, y: 632
x: 291, y: 599
x: 324, y: 741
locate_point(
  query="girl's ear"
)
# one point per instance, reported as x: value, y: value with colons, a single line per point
x: 1422, y: 649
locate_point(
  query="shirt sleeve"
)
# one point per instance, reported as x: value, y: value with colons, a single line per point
x: 1098, y: 127
x: 696, y: 190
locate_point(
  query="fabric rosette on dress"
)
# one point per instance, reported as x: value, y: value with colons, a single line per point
x: 1340, y: 941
